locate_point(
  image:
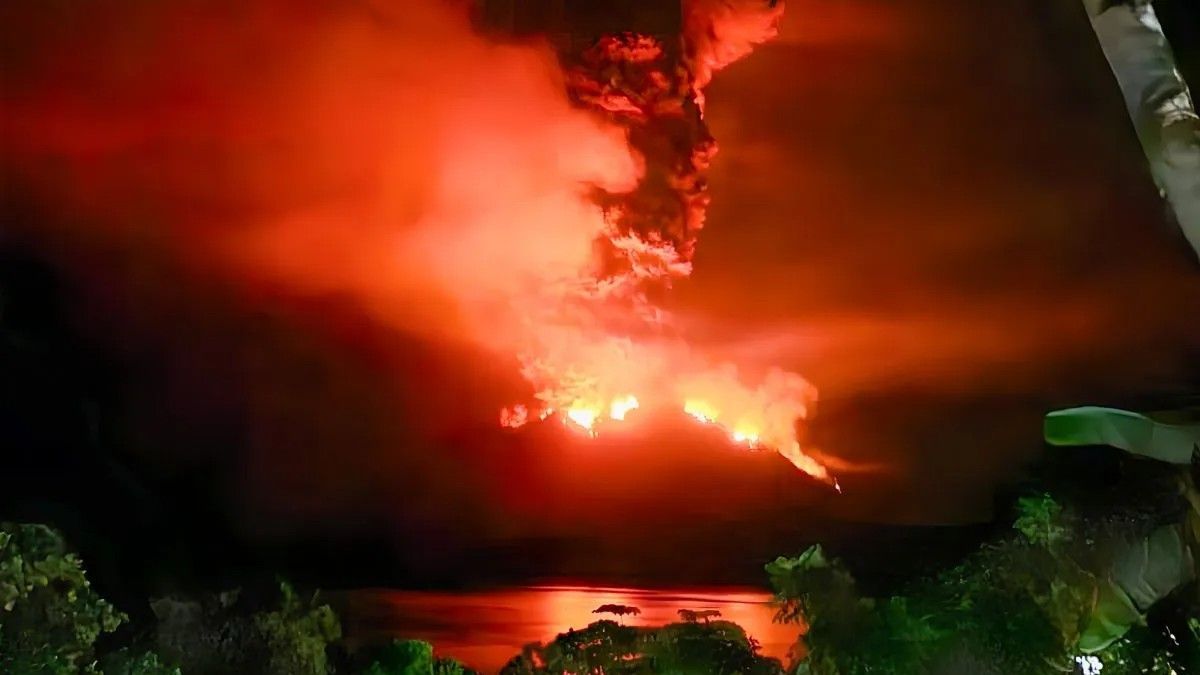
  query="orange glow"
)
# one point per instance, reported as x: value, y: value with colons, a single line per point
x: 563, y: 608
x: 701, y: 411
x: 621, y: 407
x: 592, y: 332
x: 723, y: 32
x: 746, y: 436
x: 514, y: 417
x: 448, y: 186
x: 584, y: 418
x: 480, y: 629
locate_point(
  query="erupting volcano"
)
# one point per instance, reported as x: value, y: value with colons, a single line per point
x: 598, y: 344
x: 533, y: 202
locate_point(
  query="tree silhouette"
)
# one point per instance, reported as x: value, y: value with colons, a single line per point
x: 691, y: 616
x: 619, y: 610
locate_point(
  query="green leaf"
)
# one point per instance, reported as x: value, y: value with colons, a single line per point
x: 1129, y: 431
x: 51, y: 616
x: 1112, y: 617
x: 403, y: 657
x: 1040, y: 520
x: 1149, y: 569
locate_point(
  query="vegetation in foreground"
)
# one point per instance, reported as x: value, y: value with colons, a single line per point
x: 53, y: 623
x: 1057, y: 596
x: 1062, y: 593
x: 614, y: 649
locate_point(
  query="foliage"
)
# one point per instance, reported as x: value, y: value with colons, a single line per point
x: 1022, y: 604
x: 714, y: 648
x: 1152, y: 651
x: 50, y: 617
x: 1143, y: 572
x: 604, y: 646
x: 124, y: 662
x: 692, y: 616
x: 296, y: 635
x: 810, y: 584
x: 1039, y: 519
x: 618, y: 610
x: 411, y: 657
x: 224, y: 633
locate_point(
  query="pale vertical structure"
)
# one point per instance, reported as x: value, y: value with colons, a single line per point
x: 1159, y: 102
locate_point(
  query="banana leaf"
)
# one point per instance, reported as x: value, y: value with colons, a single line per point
x: 1147, y: 570
x: 1150, y: 569
x: 1112, y: 617
x: 1143, y: 573
x: 1132, y: 432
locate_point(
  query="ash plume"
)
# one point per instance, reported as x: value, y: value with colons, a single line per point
x: 384, y: 152
x: 613, y: 347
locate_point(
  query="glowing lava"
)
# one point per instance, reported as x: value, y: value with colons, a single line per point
x: 584, y: 418
x: 744, y: 432
x: 701, y: 411
x: 750, y: 438
x: 621, y: 407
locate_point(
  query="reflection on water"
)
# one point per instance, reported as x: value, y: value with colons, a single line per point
x: 485, y: 629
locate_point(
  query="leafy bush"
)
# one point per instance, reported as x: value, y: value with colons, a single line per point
x: 123, y: 662
x: 296, y: 635
x: 221, y: 634
x: 411, y: 657
x: 50, y: 617
x: 1039, y: 519
x: 714, y: 648
x: 1024, y: 604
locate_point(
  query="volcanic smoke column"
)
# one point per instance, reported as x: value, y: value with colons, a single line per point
x: 600, y: 344
x: 653, y: 86
x: 533, y: 205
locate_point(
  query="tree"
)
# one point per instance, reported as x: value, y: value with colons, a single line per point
x: 692, y: 616
x: 1028, y: 603
x: 618, y: 610
x: 50, y: 617
x: 224, y: 633
x: 716, y: 648
x: 411, y: 657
